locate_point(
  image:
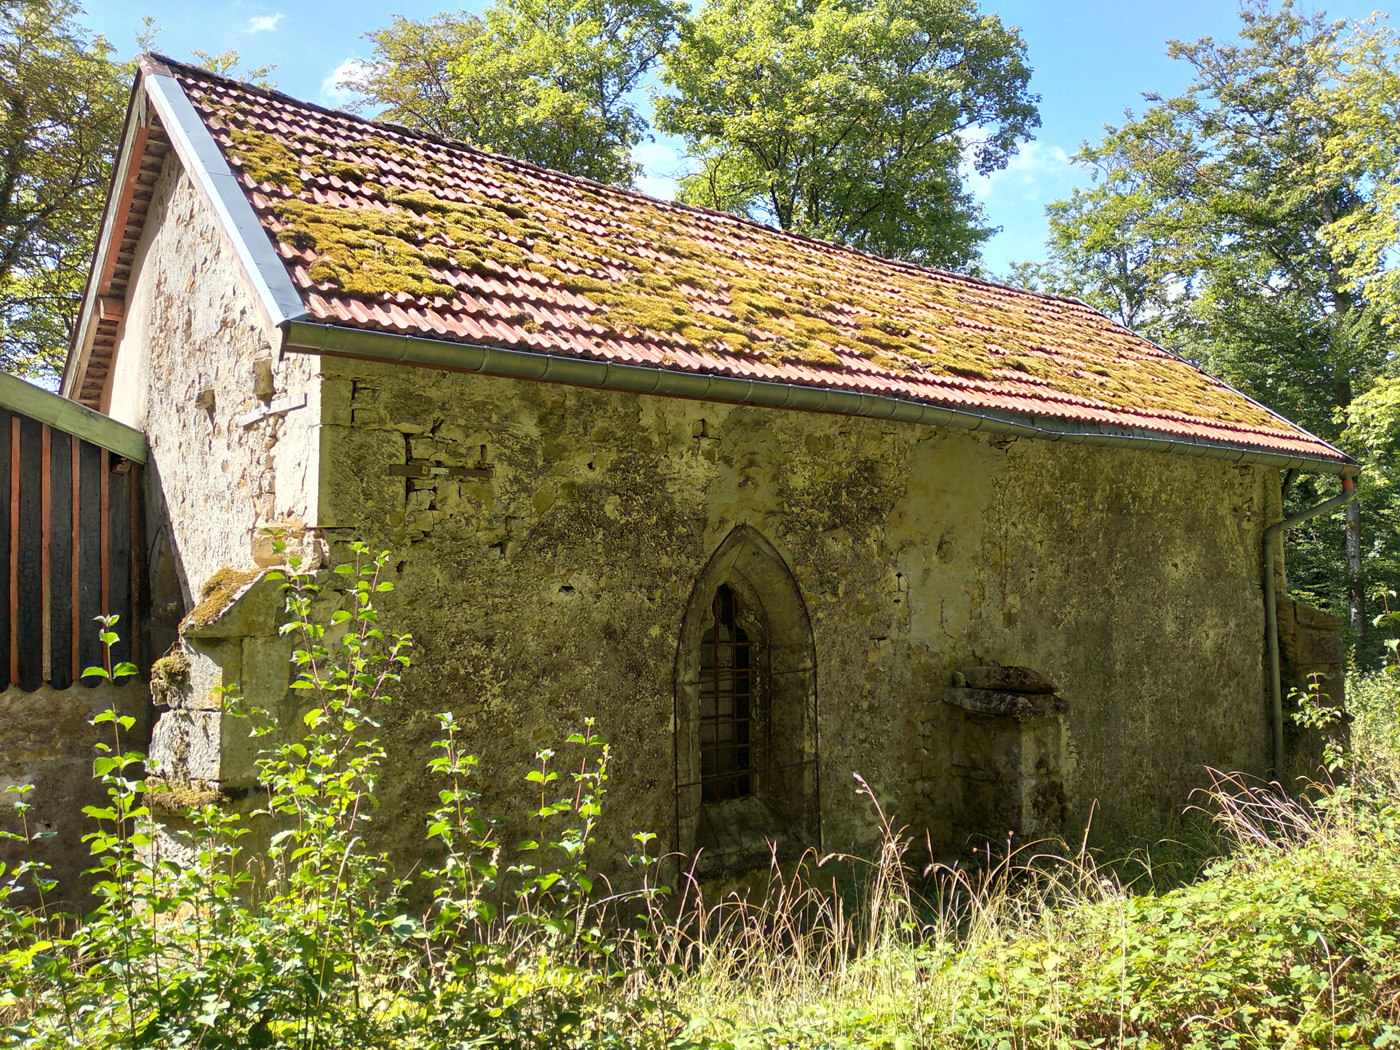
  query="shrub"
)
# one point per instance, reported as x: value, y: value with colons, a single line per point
x: 323, y: 949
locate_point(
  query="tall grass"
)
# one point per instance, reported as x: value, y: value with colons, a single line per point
x: 1289, y: 939
x: 1290, y: 936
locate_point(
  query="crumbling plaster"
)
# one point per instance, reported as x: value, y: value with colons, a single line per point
x: 555, y: 588
x: 228, y: 457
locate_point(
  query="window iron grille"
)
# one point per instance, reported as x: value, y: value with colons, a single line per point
x: 726, y: 705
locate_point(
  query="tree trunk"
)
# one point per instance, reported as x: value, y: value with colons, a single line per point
x: 1355, y: 585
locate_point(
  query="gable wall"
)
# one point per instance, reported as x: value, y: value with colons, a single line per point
x: 555, y: 589
x: 191, y: 330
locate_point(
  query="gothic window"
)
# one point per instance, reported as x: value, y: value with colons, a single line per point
x: 746, y: 745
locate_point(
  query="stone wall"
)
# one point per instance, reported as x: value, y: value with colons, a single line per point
x: 547, y: 581
x: 1310, y: 645
x: 231, y: 430
x: 46, y: 740
x: 546, y: 564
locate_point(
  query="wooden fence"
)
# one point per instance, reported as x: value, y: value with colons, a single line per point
x: 71, y: 545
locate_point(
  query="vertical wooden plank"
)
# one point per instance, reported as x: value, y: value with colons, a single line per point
x: 29, y: 632
x: 5, y: 574
x: 60, y: 573
x: 45, y: 527
x: 139, y: 598
x: 75, y: 507
x: 104, y: 539
x: 14, y: 549
x: 119, y: 559
x: 90, y: 532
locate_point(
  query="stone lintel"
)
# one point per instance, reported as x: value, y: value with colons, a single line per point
x: 1000, y: 704
x: 1008, y: 679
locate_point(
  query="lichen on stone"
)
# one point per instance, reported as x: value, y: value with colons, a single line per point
x: 170, y: 678
x: 217, y: 595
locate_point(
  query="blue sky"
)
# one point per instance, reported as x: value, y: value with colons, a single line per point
x: 1091, y: 61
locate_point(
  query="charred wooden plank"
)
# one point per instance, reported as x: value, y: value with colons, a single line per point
x: 119, y: 558
x: 89, y: 556
x: 5, y: 640
x: 29, y: 627
x: 60, y: 624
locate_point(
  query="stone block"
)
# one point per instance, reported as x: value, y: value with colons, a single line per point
x: 336, y: 401
x: 214, y: 663
x: 253, y: 609
x: 1008, y: 679
x: 1311, y: 619
x: 1318, y: 647
x: 1017, y: 706
x: 185, y: 745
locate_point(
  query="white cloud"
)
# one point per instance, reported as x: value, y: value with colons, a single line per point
x: 1036, y: 171
x: 334, y: 87
x: 264, y: 23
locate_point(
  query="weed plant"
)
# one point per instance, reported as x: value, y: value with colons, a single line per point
x: 187, y: 948
x: 1290, y: 936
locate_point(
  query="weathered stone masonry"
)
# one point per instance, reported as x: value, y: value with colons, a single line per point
x: 555, y: 588
x: 547, y: 580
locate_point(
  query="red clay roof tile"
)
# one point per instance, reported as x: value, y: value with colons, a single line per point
x: 382, y: 228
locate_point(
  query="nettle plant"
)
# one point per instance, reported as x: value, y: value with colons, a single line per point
x: 312, y: 941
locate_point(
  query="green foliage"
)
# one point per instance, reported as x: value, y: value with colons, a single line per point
x: 62, y: 101
x: 1289, y: 939
x: 849, y: 121
x: 548, y: 81
x: 1360, y: 103
x: 313, y: 942
x: 1235, y: 224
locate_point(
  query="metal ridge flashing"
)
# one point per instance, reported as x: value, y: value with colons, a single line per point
x: 206, y: 163
x: 72, y: 418
x: 309, y: 337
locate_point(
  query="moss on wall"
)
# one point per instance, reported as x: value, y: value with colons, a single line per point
x: 554, y: 590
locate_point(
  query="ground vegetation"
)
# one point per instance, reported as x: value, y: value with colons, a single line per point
x: 1280, y: 930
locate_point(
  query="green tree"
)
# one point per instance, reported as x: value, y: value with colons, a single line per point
x: 63, y: 105
x: 1105, y: 244
x: 1363, y: 103
x: 548, y: 81
x: 1214, y: 225
x: 850, y: 119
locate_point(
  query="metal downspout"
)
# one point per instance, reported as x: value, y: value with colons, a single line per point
x: 1271, y: 609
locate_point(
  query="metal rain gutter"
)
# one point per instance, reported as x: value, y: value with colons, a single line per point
x: 1349, y: 493
x: 307, y: 337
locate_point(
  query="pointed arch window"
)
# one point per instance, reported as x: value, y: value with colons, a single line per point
x: 746, y: 741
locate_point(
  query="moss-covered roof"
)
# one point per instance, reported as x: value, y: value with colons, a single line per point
x: 381, y: 228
